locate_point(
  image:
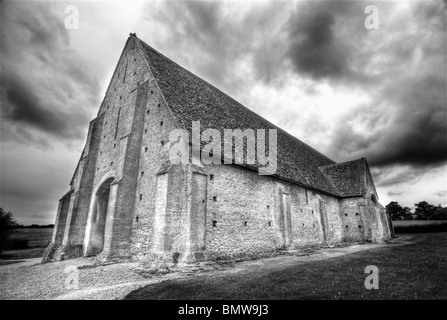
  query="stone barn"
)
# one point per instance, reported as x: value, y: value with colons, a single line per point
x: 128, y: 200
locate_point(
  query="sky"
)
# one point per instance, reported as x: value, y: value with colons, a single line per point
x: 310, y: 67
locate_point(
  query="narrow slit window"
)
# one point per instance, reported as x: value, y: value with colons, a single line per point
x: 117, y: 123
x: 214, y: 223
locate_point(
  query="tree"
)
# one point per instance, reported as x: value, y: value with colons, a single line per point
x: 397, y: 212
x: 7, y: 224
x: 424, y: 211
x: 440, y: 213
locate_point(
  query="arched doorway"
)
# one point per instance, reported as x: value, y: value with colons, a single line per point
x: 98, y: 218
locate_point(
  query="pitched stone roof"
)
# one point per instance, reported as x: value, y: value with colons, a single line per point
x: 191, y: 98
x: 348, y: 178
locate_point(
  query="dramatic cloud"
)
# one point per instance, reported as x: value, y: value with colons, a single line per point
x: 45, y: 88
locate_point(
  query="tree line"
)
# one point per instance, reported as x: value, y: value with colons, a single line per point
x: 423, y: 211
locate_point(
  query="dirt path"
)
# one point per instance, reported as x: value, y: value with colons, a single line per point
x: 30, y: 280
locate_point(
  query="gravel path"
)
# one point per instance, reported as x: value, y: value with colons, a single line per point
x: 31, y: 280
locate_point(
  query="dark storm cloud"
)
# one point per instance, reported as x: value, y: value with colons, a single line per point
x: 322, y: 38
x: 218, y: 39
x: 390, y: 176
x: 405, y: 122
x: 24, y: 106
x: 45, y: 89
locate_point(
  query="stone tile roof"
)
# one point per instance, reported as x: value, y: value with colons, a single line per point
x: 191, y: 98
x: 348, y: 178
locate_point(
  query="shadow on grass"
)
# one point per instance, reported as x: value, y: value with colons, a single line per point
x: 415, y: 271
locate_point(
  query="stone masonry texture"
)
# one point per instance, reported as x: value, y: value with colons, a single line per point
x: 128, y: 201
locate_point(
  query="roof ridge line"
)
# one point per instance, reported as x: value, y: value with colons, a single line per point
x: 338, y: 163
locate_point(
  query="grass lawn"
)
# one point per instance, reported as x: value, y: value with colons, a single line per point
x: 413, y: 271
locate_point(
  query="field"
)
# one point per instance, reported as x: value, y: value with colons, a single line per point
x: 27, y: 243
x: 417, y: 226
x: 38, y: 237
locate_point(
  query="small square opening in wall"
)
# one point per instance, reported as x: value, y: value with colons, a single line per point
x: 356, y: 213
x: 161, y: 123
x: 346, y: 227
x: 270, y: 223
x: 138, y: 83
x: 268, y: 207
x: 245, y: 223
x: 152, y: 92
x: 158, y: 105
x: 162, y: 143
x: 360, y: 226
x: 145, y: 149
x: 211, y: 176
x: 147, y: 111
x: 114, y: 145
x: 141, y: 196
x: 145, y: 130
x: 136, y: 219
x: 111, y: 163
x: 215, y: 198
x: 142, y: 173
x: 214, y: 223
x: 346, y: 214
